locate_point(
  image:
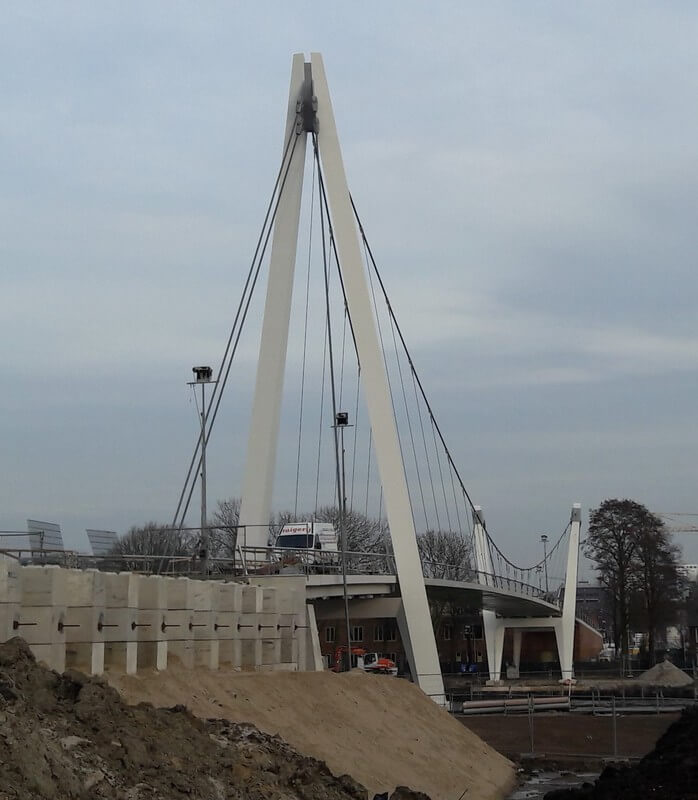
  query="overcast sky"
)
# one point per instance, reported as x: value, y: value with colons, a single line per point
x: 527, y: 174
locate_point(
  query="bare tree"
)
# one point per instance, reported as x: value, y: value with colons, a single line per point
x: 224, y: 535
x: 158, y: 541
x: 445, y: 554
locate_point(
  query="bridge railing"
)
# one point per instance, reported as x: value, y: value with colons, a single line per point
x: 275, y: 560
x: 512, y: 584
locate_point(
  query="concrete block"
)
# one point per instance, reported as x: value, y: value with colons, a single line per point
x: 178, y: 633
x: 121, y: 590
x: 41, y: 617
x: 85, y: 587
x: 286, y: 667
x: 44, y: 586
x: 288, y: 651
x: 229, y: 652
x: 269, y: 601
x: 227, y: 597
x: 268, y: 626
x: 178, y: 591
x: 150, y: 630
x: 252, y: 600
x: 119, y: 621
x: 248, y: 626
x: 83, y: 632
x: 42, y: 629
x: 152, y: 592
x: 287, y: 625
x: 201, y: 595
x: 206, y: 644
x: 250, y: 654
x: 10, y: 596
x: 271, y: 652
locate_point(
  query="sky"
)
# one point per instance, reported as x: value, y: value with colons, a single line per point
x: 527, y: 175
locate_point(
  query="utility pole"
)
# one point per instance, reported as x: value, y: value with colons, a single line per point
x: 203, y: 375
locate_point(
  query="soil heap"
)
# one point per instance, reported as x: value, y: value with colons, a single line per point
x: 670, y: 771
x: 665, y: 675
x: 383, y: 731
x: 69, y: 736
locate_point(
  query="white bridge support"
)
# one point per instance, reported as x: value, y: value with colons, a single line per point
x: 495, y: 627
x: 311, y: 101
x: 255, y: 508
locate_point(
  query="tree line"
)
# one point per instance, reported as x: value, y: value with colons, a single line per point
x: 445, y: 554
x: 636, y: 562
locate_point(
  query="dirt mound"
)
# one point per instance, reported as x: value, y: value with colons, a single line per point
x: 383, y: 731
x: 665, y: 674
x: 71, y: 737
x: 670, y: 771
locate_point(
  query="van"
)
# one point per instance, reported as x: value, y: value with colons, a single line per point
x: 308, y: 542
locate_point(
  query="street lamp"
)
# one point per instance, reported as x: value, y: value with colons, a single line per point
x: 544, y: 539
x: 341, y: 421
x: 203, y: 375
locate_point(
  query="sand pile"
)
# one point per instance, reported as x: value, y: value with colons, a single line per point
x: 665, y: 674
x: 68, y: 737
x: 382, y: 731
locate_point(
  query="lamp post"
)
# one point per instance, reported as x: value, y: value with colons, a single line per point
x: 544, y: 539
x: 204, y: 375
x: 341, y: 421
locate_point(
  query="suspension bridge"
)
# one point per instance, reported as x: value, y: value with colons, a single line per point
x: 386, y: 458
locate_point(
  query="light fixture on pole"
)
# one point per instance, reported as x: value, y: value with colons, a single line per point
x: 544, y: 539
x: 203, y: 375
x: 341, y: 421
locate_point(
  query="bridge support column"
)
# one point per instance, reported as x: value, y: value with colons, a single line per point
x: 255, y: 509
x: 518, y: 636
x: 424, y: 663
x: 564, y: 628
x: 494, y: 628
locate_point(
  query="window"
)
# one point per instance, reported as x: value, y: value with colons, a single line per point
x: 447, y: 632
x: 357, y: 633
x: 467, y: 631
x: 378, y: 633
x: 391, y: 656
x: 390, y: 634
x: 330, y: 634
x: 460, y: 611
x: 477, y: 631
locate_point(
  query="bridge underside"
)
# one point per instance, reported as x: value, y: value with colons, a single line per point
x: 470, y: 595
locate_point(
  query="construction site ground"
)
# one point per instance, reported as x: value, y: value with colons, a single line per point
x: 569, y: 737
x: 70, y: 737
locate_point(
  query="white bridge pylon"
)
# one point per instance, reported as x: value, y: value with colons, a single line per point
x: 495, y: 627
x: 310, y: 111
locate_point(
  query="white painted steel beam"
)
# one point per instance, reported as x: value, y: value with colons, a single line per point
x: 255, y: 509
x: 425, y: 664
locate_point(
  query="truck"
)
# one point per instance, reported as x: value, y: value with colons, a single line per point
x: 368, y: 662
x: 308, y: 542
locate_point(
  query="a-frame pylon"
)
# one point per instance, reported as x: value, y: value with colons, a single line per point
x: 310, y: 108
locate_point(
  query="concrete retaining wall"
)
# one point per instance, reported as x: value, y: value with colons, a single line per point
x: 93, y: 621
